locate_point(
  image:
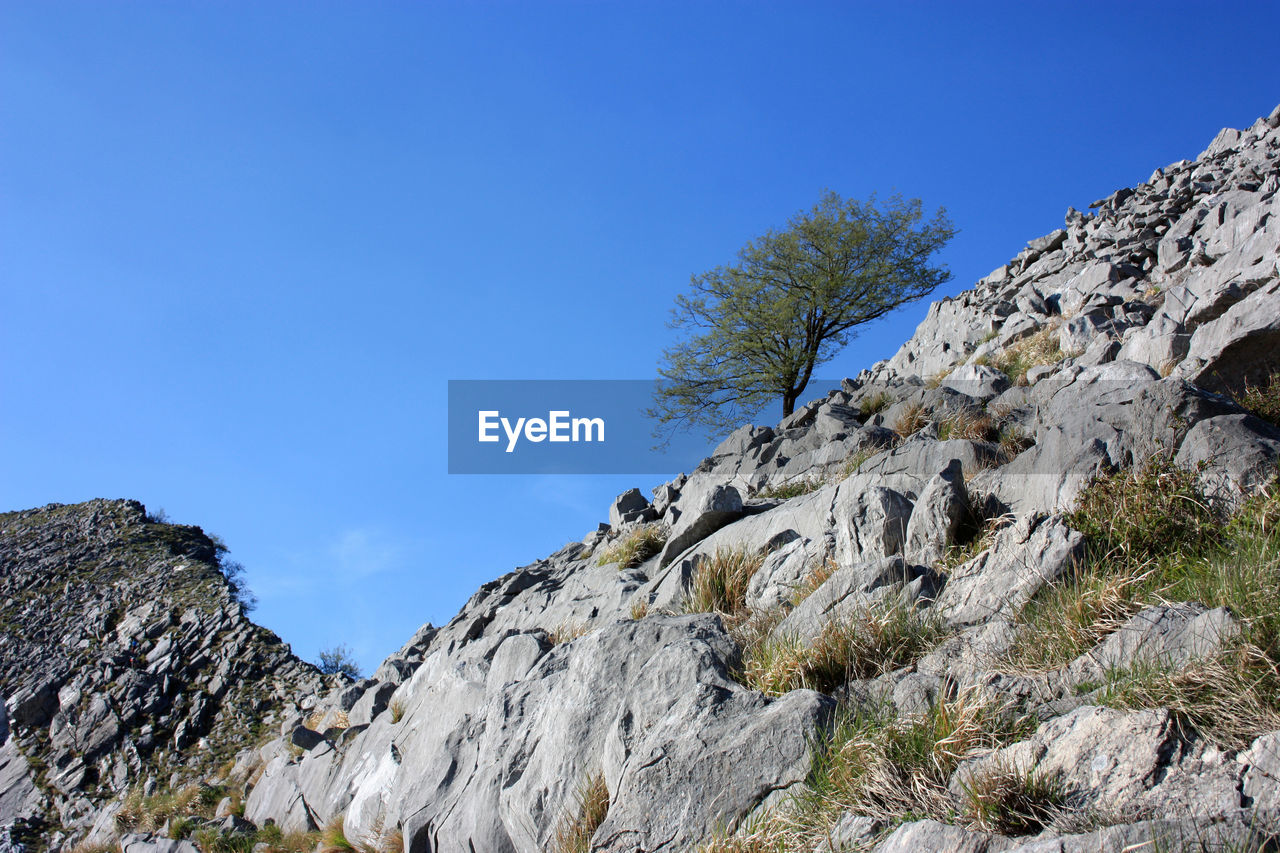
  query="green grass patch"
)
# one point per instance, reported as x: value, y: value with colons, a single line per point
x: 1153, y: 538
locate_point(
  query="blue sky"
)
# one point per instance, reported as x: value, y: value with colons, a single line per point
x: 244, y: 246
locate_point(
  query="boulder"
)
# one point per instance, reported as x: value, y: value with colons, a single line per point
x: 704, y: 509
x: 936, y: 518
x: 628, y: 507
x: 1023, y: 557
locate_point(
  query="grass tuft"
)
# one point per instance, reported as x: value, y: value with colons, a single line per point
x: 1014, y: 361
x: 968, y: 424
x: 911, y: 420
x: 1262, y: 400
x: 888, y: 768
x: 720, y: 584
x: 591, y: 807
x: 880, y: 639
x: 1154, y: 539
x: 636, y: 547
x: 1008, y: 801
x: 875, y: 403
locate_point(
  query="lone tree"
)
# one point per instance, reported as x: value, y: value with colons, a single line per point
x: 793, y: 299
x: 339, y: 659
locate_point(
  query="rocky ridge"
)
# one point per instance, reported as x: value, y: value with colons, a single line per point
x: 126, y: 662
x: 938, y: 484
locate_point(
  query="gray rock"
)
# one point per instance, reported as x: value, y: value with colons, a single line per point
x: 1243, y: 345
x: 703, y: 510
x: 1235, y: 455
x: 630, y: 506
x: 851, y: 590
x: 1166, y: 635
x: 939, y: 512
x: 1023, y: 557
x: 869, y: 523
x: 930, y: 835
x: 1261, y: 786
x: 154, y: 844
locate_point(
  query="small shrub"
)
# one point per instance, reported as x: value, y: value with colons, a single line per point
x: 636, y: 547
x: 1008, y: 801
x: 720, y: 582
x: 910, y: 421
x: 339, y: 659
x: 591, y: 807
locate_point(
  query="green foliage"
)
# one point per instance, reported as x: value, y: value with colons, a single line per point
x: 635, y: 547
x: 1148, y: 512
x: 339, y: 659
x: 760, y: 326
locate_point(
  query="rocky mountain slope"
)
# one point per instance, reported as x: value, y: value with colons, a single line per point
x: 126, y: 661
x: 1015, y: 588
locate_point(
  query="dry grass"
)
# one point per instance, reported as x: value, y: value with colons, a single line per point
x: 639, y: 608
x: 880, y: 639
x: 636, y: 547
x: 791, y: 490
x: 591, y: 807
x: 968, y: 424
x: 875, y: 403
x: 720, y: 584
x: 1262, y: 400
x: 815, y: 578
x: 1155, y: 540
x: 854, y: 461
x: 887, y: 768
x: 139, y: 813
x: 1019, y: 357
x: 1008, y: 801
x: 397, y: 710
x: 911, y: 420
x: 568, y: 632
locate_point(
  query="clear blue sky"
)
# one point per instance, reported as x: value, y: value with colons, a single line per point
x: 243, y: 246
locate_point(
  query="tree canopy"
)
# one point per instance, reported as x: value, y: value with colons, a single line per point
x: 758, y: 328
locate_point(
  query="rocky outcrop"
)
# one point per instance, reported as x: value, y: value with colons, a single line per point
x: 939, y: 482
x: 124, y: 647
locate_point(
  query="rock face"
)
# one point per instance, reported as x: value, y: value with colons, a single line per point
x: 124, y: 646
x: 1116, y: 338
